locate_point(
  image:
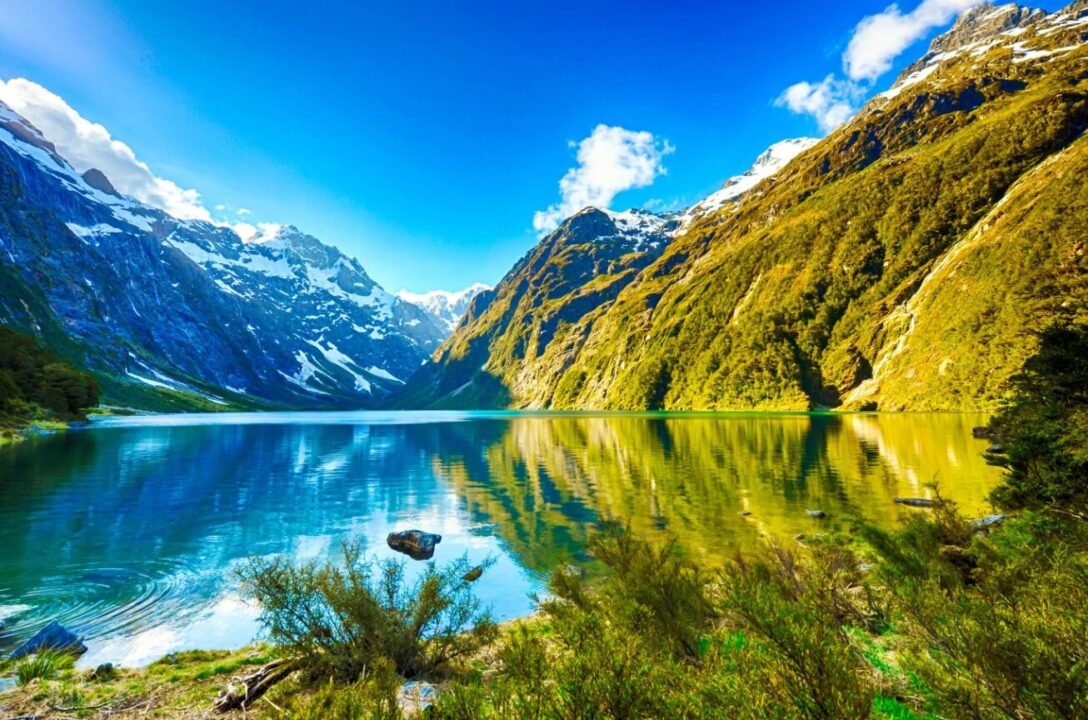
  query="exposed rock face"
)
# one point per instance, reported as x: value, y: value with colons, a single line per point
x: 165, y: 309
x: 53, y: 636
x: 416, y: 544
x: 98, y: 180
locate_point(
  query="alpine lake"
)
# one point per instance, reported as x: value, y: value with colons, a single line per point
x: 128, y: 531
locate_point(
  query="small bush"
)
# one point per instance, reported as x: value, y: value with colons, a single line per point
x: 340, y: 619
x: 45, y: 665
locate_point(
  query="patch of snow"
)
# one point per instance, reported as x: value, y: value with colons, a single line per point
x: 770, y: 163
x: 382, y: 373
x: 87, y: 232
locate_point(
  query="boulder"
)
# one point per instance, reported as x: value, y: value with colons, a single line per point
x: 416, y: 544
x: 53, y: 636
x: 415, y: 698
x: 916, y: 502
x: 818, y: 514
x: 982, y: 433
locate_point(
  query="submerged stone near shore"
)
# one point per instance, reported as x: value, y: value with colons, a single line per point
x: 916, y: 502
x: 53, y: 636
x: 416, y: 544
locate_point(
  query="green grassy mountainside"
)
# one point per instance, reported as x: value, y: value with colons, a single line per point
x: 903, y: 263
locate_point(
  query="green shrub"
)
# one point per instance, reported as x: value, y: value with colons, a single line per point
x: 795, y: 659
x: 340, y: 619
x: 45, y: 665
x: 1010, y: 643
x: 1043, y: 432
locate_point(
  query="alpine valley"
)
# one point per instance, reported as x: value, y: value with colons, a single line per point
x: 904, y: 262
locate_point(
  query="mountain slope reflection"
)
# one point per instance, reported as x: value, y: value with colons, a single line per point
x: 129, y: 531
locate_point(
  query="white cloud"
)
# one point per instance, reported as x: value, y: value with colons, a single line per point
x: 874, y: 45
x: 879, y: 39
x: 220, y: 207
x: 89, y: 145
x: 610, y: 160
x: 244, y: 211
x: 830, y: 101
x: 256, y: 233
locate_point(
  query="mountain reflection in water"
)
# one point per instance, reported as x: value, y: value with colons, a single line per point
x: 128, y: 532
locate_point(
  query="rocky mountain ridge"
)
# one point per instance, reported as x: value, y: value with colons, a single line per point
x: 177, y: 313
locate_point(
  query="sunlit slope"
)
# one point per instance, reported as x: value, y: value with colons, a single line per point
x: 902, y: 263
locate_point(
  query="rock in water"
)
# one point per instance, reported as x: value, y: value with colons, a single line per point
x: 416, y: 544
x: 818, y: 514
x: 987, y: 522
x: 474, y: 574
x: 916, y: 502
x: 53, y: 636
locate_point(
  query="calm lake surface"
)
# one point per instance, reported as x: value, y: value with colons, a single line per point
x: 127, y: 531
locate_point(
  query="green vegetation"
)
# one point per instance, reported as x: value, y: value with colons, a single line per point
x: 42, y: 666
x: 37, y: 386
x: 905, y: 262
x: 1043, y: 434
x: 340, y: 620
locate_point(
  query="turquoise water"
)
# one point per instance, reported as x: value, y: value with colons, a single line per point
x: 128, y: 531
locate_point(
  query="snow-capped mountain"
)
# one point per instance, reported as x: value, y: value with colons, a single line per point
x: 648, y: 231
x: 188, y: 307
x: 445, y: 306
x: 768, y: 164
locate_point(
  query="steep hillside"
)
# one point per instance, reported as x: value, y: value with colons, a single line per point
x: 901, y: 263
x: 177, y: 314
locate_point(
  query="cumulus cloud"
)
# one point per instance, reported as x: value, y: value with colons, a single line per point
x: 611, y: 160
x: 244, y: 211
x: 874, y: 45
x: 879, y: 39
x: 830, y: 101
x: 89, y: 145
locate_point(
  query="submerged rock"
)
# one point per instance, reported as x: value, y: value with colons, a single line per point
x: 987, y: 522
x: 416, y: 697
x: 53, y: 636
x: 916, y: 502
x: 416, y: 544
x: 474, y: 574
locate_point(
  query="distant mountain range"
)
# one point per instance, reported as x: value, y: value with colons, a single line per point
x: 903, y: 262
x: 181, y: 314
x: 446, y: 307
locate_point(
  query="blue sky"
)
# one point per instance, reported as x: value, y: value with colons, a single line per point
x: 422, y: 137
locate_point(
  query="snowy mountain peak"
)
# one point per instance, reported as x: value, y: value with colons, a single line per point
x: 447, y: 307
x: 768, y: 164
